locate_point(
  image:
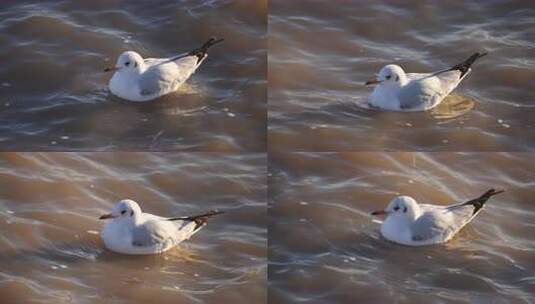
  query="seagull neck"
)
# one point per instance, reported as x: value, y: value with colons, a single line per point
x: 136, y: 219
x: 414, y: 213
x: 141, y: 67
x: 403, y: 81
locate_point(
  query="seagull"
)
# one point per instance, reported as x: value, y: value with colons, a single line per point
x: 130, y: 231
x: 413, y: 224
x: 409, y: 92
x: 138, y: 79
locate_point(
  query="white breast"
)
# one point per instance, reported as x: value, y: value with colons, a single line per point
x: 125, y: 85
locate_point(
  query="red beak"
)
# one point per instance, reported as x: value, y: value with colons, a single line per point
x: 111, y: 69
x: 379, y: 212
x: 372, y: 81
x: 106, y: 216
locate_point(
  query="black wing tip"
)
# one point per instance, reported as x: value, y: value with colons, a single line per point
x: 214, y: 40
x: 201, y: 220
x: 201, y: 52
x: 213, y: 213
x: 480, y: 201
x: 193, y: 217
x: 475, y: 56
x: 464, y: 66
x: 492, y: 192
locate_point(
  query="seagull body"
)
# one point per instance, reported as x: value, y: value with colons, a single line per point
x: 130, y: 231
x: 413, y: 224
x: 138, y: 79
x: 400, y: 91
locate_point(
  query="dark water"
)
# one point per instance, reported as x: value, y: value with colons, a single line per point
x: 51, y: 251
x: 322, y: 52
x: 54, y: 96
x: 325, y: 248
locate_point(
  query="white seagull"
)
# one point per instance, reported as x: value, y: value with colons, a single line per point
x: 400, y: 91
x: 413, y: 224
x: 130, y: 231
x: 138, y: 79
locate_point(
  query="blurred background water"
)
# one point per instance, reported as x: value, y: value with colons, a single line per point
x: 51, y: 251
x: 54, y: 95
x: 321, y: 53
x: 324, y: 246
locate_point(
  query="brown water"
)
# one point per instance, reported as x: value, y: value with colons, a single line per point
x: 322, y: 52
x: 325, y: 248
x: 314, y: 240
x: 50, y: 248
x: 54, y: 95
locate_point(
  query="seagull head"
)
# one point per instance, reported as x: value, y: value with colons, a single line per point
x: 125, y: 209
x: 390, y: 75
x: 127, y: 61
x: 403, y: 207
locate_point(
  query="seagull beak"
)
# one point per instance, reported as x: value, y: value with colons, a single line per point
x: 106, y: 216
x: 379, y: 212
x: 111, y: 69
x: 372, y: 81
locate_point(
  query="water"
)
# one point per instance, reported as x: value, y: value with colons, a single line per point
x: 321, y: 54
x: 54, y: 96
x: 51, y: 251
x: 324, y: 246
x: 297, y: 227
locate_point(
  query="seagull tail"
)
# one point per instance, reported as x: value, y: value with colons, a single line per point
x: 480, y: 201
x: 465, y: 65
x: 201, y: 52
x: 200, y: 220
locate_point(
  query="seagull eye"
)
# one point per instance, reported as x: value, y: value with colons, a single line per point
x: 405, y: 210
x: 123, y: 212
x: 388, y: 77
x: 396, y: 208
x: 127, y: 63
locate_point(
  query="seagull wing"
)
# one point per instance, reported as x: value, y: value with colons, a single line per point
x: 428, y: 226
x: 151, y: 233
x: 155, y: 80
x: 419, y: 94
x: 185, y: 230
x: 426, y: 90
x: 163, y: 75
x: 449, y: 80
x: 188, y: 65
x: 440, y: 223
x: 417, y: 76
x: 461, y: 214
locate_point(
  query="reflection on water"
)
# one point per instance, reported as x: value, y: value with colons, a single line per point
x: 51, y: 250
x: 451, y: 107
x: 320, y: 55
x: 325, y: 247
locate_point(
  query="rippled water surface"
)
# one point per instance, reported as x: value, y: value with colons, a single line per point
x: 51, y: 251
x: 325, y: 247
x: 54, y: 96
x: 322, y: 52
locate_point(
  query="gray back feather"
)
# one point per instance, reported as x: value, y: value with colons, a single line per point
x: 427, y: 227
x: 165, y: 74
x: 414, y: 95
x: 149, y: 234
